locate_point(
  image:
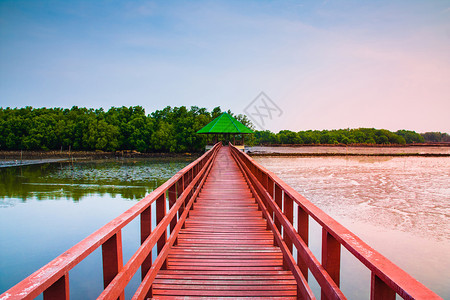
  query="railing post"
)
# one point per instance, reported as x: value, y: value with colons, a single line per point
x: 331, y: 257
x: 303, y: 231
x: 279, y: 201
x: 264, y: 179
x: 270, y: 190
x: 270, y: 186
x: 160, y: 214
x: 172, y: 200
x: 146, y: 230
x: 59, y: 289
x: 112, y: 259
x: 180, y: 189
x: 267, y: 180
x: 288, y: 210
x: 380, y: 290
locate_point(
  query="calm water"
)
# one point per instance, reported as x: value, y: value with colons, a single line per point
x: 400, y: 206
x: 46, y: 209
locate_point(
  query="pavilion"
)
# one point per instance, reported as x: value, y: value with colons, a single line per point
x: 226, y: 125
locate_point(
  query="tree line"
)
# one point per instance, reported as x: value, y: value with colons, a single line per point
x: 172, y: 129
x: 362, y: 136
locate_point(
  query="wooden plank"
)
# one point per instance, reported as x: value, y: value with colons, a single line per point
x: 233, y: 298
x: 224, y: 293
x: 215, y: 287
x: 225, y: 273
x: 225, y: 249
x: 228, y: 278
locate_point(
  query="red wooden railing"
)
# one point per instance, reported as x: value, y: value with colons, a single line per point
x: 181, y: 190
x: 276, y: 200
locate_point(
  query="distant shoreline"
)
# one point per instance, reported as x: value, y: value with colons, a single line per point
x: 13, y: 158
x: 421, y: 150
x: 66, y: 155
x: 348, y: 154
x: 443, y: 144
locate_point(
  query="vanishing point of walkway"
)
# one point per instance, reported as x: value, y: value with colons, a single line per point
x: 225, y: 249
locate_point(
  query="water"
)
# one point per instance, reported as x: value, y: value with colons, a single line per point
x: 398, y: 205
x: 355, y: 150
x: 46, y: 209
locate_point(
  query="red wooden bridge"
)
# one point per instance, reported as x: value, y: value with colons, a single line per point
x: 228, y: 231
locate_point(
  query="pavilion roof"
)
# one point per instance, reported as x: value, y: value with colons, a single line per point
x: 225, y: 123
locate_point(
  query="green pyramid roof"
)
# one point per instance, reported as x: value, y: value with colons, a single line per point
x: 225, y: 124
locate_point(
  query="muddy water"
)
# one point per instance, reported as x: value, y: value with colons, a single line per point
x: 398, y: 205
x: 354, y: 150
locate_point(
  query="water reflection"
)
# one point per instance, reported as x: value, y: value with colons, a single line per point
x: 129, y: 179
x: 46, y: 209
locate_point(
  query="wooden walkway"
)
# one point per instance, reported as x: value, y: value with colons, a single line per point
x: 225, y: 249
x: 219, y: 244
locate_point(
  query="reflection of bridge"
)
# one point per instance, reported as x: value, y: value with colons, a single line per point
x: 224, y: 228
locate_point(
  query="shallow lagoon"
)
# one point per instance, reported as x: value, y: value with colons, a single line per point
x: 398, y: 205
x: 46, y: 209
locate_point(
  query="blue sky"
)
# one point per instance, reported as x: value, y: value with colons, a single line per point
x: 326, y: 64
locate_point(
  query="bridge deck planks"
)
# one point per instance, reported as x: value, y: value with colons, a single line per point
x: 225, y: 249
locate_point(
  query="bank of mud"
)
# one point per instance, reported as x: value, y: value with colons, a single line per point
x: 277, y: 154
x: 23, y: 158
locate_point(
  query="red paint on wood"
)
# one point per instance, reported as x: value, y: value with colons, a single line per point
x: 288, y: 209
x: 225, y: 234
x: 303, y: 232
x: 331, y: 258
x: 146, y: 229
x: 58, y: 290
x: 112, y: 259
x: 380, y: 290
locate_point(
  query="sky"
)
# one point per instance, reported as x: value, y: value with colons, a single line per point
x: 294, y: 65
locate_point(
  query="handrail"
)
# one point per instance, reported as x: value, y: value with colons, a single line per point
x: 302, y: 285
x: 387, y: 279
x: 53, y: 279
